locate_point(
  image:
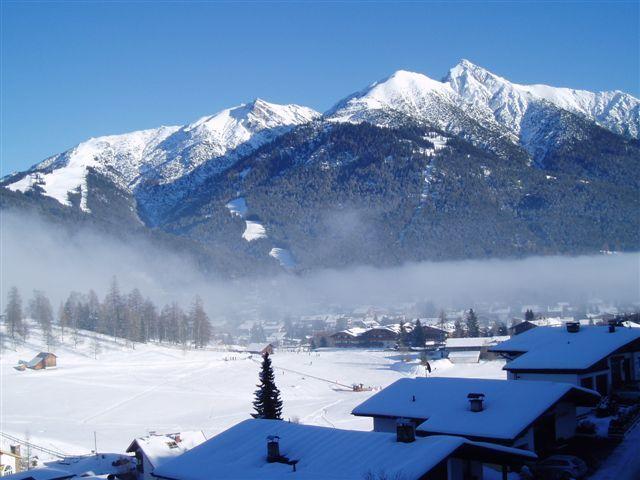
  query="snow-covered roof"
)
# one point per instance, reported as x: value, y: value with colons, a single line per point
x: 322, y: 453
x: 34, y: 361
x: 468, y: 356
x: 101, y: 464
x: 474, y: 341
x: 258, y: 347
x: 354, y: 332
x: 160, y: 448
x: 40, y: 474
x: 444, y: 404
x: 552, y: 348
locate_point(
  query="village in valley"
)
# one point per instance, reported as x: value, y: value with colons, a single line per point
x: 493, y: 392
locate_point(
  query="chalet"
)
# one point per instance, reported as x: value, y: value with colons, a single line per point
x: 521, y: 327
x: 260, y: 348
x: 10, y: 461
x: 471, y: 349
x: 596, y: 357
x: 42, y: 360
x: 378, y: 337
x: 434, y: 334
x: 347, y: 338
x: 274, y: 449
x: 481, y: 409
x: 154, y: 450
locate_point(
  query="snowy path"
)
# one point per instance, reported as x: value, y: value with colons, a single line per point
x: 624, y: 462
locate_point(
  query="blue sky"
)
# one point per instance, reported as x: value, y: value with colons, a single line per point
x: 72, y: 70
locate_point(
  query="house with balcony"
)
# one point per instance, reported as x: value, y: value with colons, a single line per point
x: 603, y: 358
x: 526, y: 415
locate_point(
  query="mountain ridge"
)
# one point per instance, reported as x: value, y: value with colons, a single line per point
x: 414, y: 164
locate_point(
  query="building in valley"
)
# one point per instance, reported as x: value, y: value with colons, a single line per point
x: 471, y: 349
x: 603, y: 358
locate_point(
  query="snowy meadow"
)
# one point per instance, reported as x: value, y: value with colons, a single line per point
x: 121, y: 392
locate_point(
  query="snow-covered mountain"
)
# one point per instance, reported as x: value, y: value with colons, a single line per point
x: 417, y: 166
x: 510, y: 102
x: 414, y: 95
x: 162, y: 155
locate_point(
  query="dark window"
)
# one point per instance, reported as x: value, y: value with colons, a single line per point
x: 587, y: 382
x: 602, y: 384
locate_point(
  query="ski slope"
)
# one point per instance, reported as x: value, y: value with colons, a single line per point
x: 126, y: 392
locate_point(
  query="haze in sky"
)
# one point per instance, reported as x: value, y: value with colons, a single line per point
x: 73, y: 70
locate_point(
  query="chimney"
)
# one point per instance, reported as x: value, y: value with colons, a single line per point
x: 612, y: 326
x: 15, y: 449
x: 476, y: 401
x: 573, y: 327
x: 273, y: 448
x: 405, y: 431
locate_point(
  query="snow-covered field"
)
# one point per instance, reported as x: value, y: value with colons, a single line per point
x: 128, y: 392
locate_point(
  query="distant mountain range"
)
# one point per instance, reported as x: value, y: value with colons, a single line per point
x: 407, y: 169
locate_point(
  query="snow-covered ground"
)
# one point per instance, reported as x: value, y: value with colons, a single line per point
x: 128, y: 392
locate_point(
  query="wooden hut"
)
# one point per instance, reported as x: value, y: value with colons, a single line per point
x: 43, y: 360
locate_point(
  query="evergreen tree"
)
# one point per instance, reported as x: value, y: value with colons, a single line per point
x: 418, y: 338
x: 529, y: 315
x: 403, y: 336
x: 473, y: 327
x: 458, y: 330
x: 14, y: 316
x: 267, y: 403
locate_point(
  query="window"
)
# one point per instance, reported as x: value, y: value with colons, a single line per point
x: 587, y: 382
x: 602, y: 384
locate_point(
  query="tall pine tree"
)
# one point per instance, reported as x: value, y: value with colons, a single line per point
x: 267, y: 403
x: 418, y: 338
x: 473, y: 327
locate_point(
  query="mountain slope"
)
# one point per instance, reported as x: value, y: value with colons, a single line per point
x: 348, y: 194
x: 140, y: 161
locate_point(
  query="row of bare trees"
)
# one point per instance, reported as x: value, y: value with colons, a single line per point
x: 128, y: 316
